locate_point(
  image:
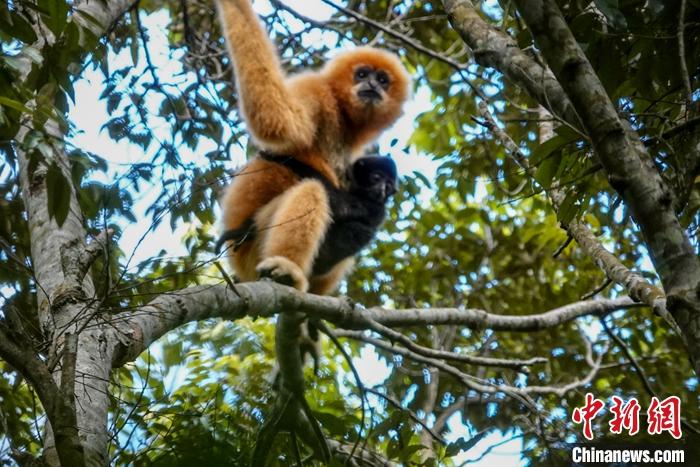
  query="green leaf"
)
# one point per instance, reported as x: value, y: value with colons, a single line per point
x: 172, y: 354
x: 334, y: 424
x: 546, y: 170
x: 422, y: 178
x: 18, y: 28
x: 568, y: 208
x: 610, y: 9
x: 13, y: 104
x: 57, y: 194
x: 57, y: 16
x: 409, y: 450
x: 463, y: 445
x: 545, y: 149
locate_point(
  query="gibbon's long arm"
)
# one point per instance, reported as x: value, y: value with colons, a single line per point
x: 277, y: 118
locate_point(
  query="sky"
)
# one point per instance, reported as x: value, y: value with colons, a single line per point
x: 88, y: 114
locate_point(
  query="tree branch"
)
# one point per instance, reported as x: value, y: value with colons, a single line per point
x: 495, y: 49
x: 396, y: 404
x: 637, y: 287
x: 477, y: 384
x: 409, y: 41
x: 138, y: 329
x: 395, y: 336
x: 681, y: 52
x: 29, y: 366
x: 60, y: 412
x: 630, y: 168
x: 62, y: 285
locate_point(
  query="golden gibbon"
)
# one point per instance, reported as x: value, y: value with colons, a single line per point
x: 323, y: 119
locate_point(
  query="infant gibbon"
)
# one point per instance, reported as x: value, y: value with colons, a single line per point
x: 323, y: 119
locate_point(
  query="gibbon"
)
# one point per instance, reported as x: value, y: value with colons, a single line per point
x: 356, y: 213
x: 322, y: 119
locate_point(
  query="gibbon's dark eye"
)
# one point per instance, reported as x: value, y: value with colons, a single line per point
x: 362, y: 73
x: 383, y: 79
x: 376, y: 177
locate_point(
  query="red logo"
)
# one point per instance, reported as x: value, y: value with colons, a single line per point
x: 665, y: 416
x: 662, y: 416
x: 624, y: 416
x: 586, y: 413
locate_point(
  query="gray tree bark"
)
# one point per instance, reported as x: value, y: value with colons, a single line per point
x: 571, y: 91
x: 67, y: 309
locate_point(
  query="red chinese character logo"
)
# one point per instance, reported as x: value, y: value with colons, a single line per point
x: 586, y: 413
x: 665, y: 416
x: 624, y: 416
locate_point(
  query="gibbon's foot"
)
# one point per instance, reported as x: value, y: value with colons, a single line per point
x: 283, y: 271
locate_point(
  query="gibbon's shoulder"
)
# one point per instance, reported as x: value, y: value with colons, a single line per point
x: 308, y: 84
x: 339, y: 70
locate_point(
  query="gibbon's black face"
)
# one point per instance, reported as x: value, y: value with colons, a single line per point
x: 375, y: 177
x: 371, y: 84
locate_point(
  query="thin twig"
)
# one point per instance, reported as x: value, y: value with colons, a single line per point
x: 402, y: 37
x: 563, y: 246
x: 410, y: 413
x: 597, y: 290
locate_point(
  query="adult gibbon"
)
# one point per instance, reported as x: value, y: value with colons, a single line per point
x: 323, y: 119
x: 356, y: 212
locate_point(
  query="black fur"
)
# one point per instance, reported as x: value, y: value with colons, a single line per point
x: 356, y: 213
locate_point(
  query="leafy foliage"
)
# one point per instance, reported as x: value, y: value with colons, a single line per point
x: 479, y: 234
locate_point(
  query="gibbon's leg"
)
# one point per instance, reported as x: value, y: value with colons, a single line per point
x: 327, y: 283
x: 275, y: 116
x: 293, y: 233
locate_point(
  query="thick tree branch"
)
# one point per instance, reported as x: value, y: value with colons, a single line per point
x: 681, y: 52
x: 138, y: 329
x: 496, y: 49
x: 60, y: 266
x: 637, y: 287
x: 59, y: 410
x: 630, y: 168
x: 480, y: 319
x: 29, y: 366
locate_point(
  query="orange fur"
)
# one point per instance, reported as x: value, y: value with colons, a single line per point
x: 296, y: 226
x: 315, y: 117
x: 327, y: 283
